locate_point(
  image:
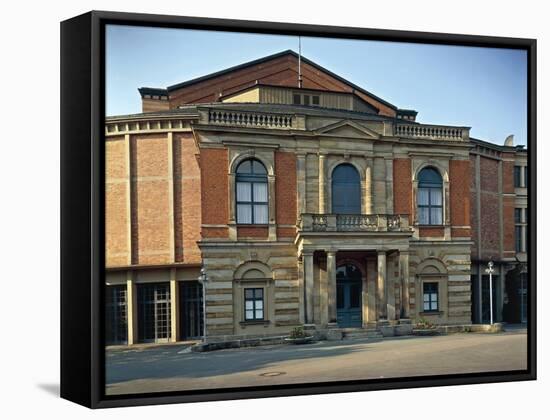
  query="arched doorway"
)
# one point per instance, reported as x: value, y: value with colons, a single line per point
x: 346, y: 190
x: 348, y: 296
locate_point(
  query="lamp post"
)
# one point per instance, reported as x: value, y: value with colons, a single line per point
x: 203, y: 279
x: 490, y: 270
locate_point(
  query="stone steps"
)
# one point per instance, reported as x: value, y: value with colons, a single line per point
x: 350, y: 334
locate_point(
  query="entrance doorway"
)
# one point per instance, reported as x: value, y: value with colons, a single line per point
x: 348, y: 296
x: 154, y: 312
x: 191, y: 310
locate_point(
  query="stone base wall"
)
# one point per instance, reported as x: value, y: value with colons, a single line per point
x: 448, y: 265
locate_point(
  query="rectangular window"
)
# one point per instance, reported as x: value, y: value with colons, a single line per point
x: 254, y: 304
x: 431, y: 302
x: 517, y: 215
x: 116, y: 317
x: 154, y: 312
x: 306, y: 99
x: 296, y: 99
x: 315, y: 100
x: 525, y: 172
x: 519, y: 238
x: 517, y: 176
x: 430, y: 206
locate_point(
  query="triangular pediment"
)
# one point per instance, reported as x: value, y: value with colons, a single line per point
x: 347, y: 128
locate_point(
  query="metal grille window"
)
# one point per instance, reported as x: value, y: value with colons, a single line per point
x: 430, y: 197
x: 116, y: 316
x: 252, y: 194
x: 431, y: 297
x: 253, y: 304
x: 154, y: 312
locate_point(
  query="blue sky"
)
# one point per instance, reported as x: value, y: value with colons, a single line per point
x: 482, y: 88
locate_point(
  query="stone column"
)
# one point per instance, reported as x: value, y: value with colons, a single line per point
x: 308, y: 277
x: 390, y: 287
x: 322, y: 198
x: 301, y: 183
x: 323, y: 296
x: 331, y: 274
x: 371, y: 289
x: 404, y: 273
x: 174, y: 306
x: 381, y: 282
x: 131, y: 308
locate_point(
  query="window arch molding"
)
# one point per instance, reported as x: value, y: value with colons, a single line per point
x: 266, y: 157
x: 442, y: 168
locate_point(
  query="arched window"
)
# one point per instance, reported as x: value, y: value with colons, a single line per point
x: 430, y: 197
x: 346, y: 190
x: 252, y: 196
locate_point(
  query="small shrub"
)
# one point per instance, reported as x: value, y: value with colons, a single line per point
x: 298, y: 332
x: 423, y: 323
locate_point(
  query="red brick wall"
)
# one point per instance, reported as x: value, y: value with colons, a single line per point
x: 459, y: 184
x: 402, y: 187
x: 214, y: 191
x: 285, y: 188
x: 489, y: 208
x: 150, y: 200
x: 434, y: 232
x: 259, y: 232
x: 187, y: 199
x: 116, y: 213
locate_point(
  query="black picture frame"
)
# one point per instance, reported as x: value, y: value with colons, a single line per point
x: 82, y: 206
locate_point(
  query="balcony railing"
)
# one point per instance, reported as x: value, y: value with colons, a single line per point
x: 311, y: 222
x: 250, y: 119
x: 432, y: 132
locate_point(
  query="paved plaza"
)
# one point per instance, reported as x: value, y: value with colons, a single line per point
x: 174, y: 367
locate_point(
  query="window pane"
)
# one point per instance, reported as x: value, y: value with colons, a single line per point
x: 260, y: 192
x: 259, y: 314
x: 436, y: 197
x: 423, y: 196
x: 259, y: 293
x: 249, y: 315
x: 243, y: 191
x: 244, y: 167
x: 249, y: 293
x: 260, y: 214
x: 259, y: 304
x: 258, y: 168
x: 436, y: 216
x: 423, y: 215
x: 517, y: 215
x: 244, y: 213
x: 315, y: 100
x: 426, y: 297
x: 296, y: 99
x: 306, y: 99
x: 249, y: 305
x: 426, y: 306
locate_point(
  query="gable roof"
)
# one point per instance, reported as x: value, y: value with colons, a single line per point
x: 265, y: 59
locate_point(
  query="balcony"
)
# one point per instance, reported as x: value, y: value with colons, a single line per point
x: 311, y: 222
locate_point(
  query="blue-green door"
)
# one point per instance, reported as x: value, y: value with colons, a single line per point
x: 348, y: 296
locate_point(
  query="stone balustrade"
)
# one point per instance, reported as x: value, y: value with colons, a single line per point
x: 250, y: 119
x: 432, y: 132
x: 311, y: 222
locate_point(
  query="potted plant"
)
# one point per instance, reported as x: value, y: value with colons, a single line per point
x: 424, y: 327
x: 299, y: 336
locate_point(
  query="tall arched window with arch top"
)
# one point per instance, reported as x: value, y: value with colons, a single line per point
x: 430, y: 197
x: 251, y: 193
x: 346, y: 190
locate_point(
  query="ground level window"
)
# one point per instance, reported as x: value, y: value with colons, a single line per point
x: 430, y: 297
x: 154, y: 312
x: 253, y: 304
x: 116, y: 317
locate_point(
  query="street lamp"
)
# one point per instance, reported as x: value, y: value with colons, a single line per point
x: 490, y: 270
x: 203, y: 279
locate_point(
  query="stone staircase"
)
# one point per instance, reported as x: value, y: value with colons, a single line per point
x: 361, y: 333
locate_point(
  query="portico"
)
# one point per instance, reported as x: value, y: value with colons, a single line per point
x: 354, y: 269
